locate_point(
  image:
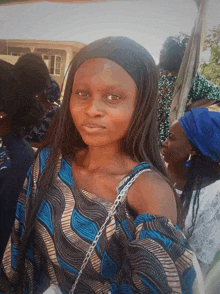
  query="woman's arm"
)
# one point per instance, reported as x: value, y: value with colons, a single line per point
x: 204, y: 89
x: 151, y: 194
x: 156, y: 259
x: 200, y: 103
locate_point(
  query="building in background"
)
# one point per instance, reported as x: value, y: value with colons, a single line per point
x: 56, y: 54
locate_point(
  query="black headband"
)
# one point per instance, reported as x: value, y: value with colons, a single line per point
x: 134, y: 58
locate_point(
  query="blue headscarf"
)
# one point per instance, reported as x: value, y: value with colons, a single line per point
x: 202, y: 128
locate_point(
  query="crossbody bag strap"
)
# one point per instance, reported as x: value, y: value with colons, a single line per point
x: 122, y: 192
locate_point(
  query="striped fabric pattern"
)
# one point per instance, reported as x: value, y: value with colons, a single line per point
x: 145, y: 255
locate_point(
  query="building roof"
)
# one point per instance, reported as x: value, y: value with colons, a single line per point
x: 13, y: 2
x: 45, y: 42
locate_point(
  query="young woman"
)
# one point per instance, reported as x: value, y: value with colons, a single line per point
x: 104, y: 137
x: 16, y: 155
x: 192, y: 152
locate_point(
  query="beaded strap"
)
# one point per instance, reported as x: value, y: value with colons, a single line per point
x: 111, y: 212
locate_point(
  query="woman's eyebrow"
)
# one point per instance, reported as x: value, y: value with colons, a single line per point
x: 108, y: 87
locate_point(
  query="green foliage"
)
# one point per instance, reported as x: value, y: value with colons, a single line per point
x: 213, y: 38
x: 211, y: 70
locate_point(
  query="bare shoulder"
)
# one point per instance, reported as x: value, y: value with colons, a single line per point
x: 151, y: 194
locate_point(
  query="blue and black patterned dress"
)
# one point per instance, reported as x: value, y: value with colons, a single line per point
x: 135, y: 254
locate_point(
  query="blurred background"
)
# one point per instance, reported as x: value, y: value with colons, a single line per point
x: 58, y: 29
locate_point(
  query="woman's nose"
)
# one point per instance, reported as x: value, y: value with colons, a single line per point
x: 164, y: 143
x: 95, y: 108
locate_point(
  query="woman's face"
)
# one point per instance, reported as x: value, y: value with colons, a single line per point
x: 102, y: 102
x: 176, y: 148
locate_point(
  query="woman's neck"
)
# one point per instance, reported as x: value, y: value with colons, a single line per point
x: 103, y: 157
x: 178, y: 174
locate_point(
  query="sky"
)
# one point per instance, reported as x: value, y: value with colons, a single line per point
x: 149, y: 22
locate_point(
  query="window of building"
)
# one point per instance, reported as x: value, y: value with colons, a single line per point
x: 57, y: 65
x: 54, y: 64
x: 15, y: 54
x: 45, y: 57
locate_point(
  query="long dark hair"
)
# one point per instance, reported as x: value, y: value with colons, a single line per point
x: 141, y: 141
x: 203, y: 171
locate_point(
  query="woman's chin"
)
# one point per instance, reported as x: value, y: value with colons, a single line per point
x: 91, y: 142
x: 166, y: 158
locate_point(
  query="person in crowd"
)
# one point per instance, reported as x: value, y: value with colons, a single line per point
x: 97, y: 213
x: 50, y: 101
x: 202, y: 93
x: 53, y: 92
x: 32, y: 72
x: 16, y: 155
x: 192, y: 152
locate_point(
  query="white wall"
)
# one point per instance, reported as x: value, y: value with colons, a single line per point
x: 9, y: 58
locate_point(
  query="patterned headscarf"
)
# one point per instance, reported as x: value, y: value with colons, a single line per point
x: 202, y: 128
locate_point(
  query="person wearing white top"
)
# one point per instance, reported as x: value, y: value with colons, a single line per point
x: 192, y: 152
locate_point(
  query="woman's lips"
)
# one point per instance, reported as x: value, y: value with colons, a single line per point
x: 93, y: 128
x: 164, y: 152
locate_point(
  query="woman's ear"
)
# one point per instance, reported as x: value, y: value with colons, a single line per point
x: 193, y: 151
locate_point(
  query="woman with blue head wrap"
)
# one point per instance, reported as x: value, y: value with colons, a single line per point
x: 192, y: 152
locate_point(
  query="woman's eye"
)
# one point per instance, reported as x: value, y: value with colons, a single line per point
x: 112, y: 97
x: 170, y: 137
x: 82, y: 93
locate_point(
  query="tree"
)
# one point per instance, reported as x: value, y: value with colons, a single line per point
x: 211, y: 70
x: 213, y: 38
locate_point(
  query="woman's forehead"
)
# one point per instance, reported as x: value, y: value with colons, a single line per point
x: 105, y: 69
x: 93, y: 64
x: 177, y: 129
